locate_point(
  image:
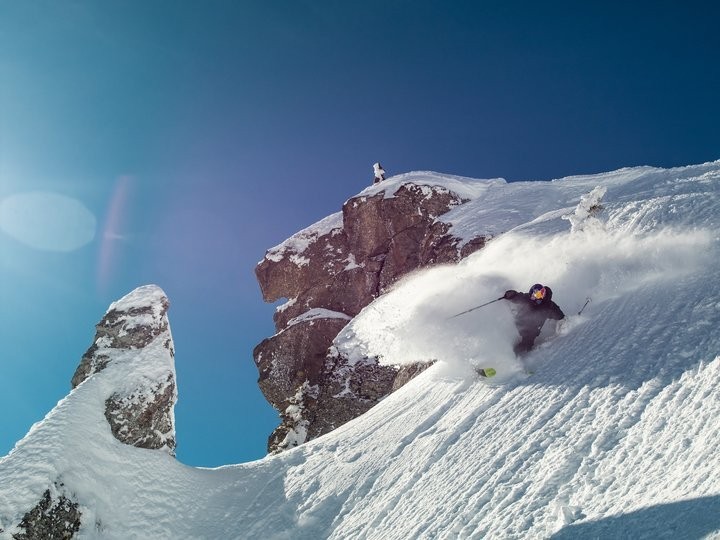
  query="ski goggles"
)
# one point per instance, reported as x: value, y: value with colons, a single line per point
x: 538, y: 294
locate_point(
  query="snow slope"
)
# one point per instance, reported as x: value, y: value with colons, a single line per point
x: 615, y: 435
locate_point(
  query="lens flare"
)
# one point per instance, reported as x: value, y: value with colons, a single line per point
x: 47, y: 221
x: 111, y: 234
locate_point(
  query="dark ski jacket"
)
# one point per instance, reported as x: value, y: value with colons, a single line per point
x: 530, y: 317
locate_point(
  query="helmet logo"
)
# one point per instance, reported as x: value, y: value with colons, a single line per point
x: 537, y: 294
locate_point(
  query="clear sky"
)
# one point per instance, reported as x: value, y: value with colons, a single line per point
x: 173, y: 142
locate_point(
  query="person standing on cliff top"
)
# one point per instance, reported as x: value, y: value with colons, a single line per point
x: 379, y: 173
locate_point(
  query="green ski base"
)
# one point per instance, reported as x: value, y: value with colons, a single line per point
x: 486, y: 372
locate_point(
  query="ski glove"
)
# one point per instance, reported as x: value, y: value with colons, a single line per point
x: 510, y: 294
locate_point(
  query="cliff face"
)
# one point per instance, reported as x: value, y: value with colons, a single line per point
x: 329, y: 272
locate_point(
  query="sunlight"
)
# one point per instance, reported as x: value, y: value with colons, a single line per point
x: 47, y: 221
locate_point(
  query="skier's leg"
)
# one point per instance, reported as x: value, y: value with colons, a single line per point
x: 523, y: 346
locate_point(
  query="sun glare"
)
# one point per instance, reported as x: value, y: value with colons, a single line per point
x: 47, y: 221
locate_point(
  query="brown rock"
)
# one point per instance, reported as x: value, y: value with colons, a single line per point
x: 52, y: 517
x: 342, y: 264
x: 408, y: 372
x: 143, y: 418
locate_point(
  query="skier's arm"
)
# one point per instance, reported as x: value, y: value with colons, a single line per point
x: 513, y: 296
x: 556, y: 313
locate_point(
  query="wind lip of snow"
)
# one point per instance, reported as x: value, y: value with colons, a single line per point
x: 622, y: 173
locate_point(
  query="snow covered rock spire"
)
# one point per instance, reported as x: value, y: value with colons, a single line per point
x: 57, y: 480
x: 135, y: 332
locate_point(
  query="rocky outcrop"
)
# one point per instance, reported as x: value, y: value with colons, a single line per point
x: 126, y: 377
x: 143, y: 417
x: 329, y: 272
x: 408, y: 372
x: 142, y: 413
x: 56, y: 517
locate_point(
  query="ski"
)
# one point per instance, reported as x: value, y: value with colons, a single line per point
x: 486, y: 372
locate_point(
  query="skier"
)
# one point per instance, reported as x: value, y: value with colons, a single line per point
x: 379, y: 173
x: 531, y: 310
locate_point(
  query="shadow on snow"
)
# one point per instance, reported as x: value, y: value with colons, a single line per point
x: 690, y: 519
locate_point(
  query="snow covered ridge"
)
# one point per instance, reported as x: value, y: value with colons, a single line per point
x: 124, y: 393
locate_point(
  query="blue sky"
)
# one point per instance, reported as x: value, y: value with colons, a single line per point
x: 173, y: 142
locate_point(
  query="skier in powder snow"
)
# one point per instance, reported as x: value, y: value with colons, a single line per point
x: 379, y: 173
x: 531, y: 310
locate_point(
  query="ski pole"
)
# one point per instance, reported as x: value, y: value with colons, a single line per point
x: 477, y: 307
x: 587, y: 301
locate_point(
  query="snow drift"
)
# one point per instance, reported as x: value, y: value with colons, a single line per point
x: 614, y: 435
